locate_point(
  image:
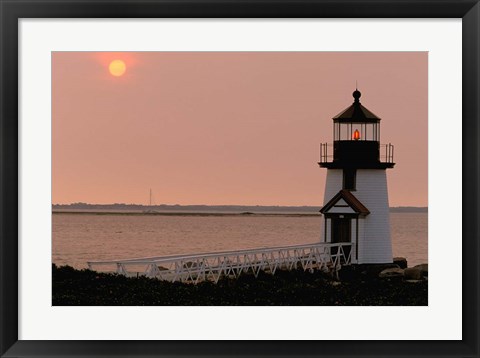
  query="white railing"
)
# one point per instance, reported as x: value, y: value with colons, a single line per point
x: 326, y: 152
x: 386, y: 153
x: 212, y: 266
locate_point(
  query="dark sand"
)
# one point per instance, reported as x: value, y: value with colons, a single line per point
x: 293, y: 288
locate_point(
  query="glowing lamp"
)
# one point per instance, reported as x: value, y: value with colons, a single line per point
x: 356, y: 135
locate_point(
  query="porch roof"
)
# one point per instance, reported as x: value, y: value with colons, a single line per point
x: 351, y: 201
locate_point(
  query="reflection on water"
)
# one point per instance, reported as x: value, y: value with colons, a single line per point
x: 81, y: 238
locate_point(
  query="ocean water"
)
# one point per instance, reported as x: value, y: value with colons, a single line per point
x: 78, y: 238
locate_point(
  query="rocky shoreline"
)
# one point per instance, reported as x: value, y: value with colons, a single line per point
x: 398, y: 270
x: 356, y: 285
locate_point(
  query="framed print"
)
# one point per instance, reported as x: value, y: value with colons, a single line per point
x: 164, y: 191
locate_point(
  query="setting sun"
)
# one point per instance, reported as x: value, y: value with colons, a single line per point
x: 117, y: 68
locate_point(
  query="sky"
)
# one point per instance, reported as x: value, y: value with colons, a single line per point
x: 220, y: 128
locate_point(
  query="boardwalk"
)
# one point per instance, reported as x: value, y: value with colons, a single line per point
x: 212, y: 266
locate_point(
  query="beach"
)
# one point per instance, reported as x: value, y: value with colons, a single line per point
x: 286, y: 288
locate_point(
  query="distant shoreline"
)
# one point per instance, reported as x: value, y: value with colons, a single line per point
x: 197, y: 214
x: 179, y: 213
x: 203, y: 210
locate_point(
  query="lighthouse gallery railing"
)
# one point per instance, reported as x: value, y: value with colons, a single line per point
x: 212, y: 266
x: 386, y: 153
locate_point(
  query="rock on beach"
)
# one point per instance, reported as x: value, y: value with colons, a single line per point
x: 418, y: 272
x: 391, y: 272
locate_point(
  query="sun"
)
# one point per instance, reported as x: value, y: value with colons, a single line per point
x: 117, y: 68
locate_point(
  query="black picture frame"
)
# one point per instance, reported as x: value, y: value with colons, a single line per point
x: 12, y: 11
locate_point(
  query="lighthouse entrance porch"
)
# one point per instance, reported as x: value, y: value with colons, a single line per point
x: 343, y: 222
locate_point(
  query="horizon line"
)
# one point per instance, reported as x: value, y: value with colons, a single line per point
x: 275, y: 205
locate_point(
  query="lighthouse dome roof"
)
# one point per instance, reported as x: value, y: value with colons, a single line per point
x: 356, y: 112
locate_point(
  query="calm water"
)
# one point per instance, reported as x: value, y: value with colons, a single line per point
x: 81, y: 238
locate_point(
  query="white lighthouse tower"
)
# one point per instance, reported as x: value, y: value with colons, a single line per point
x: 356, y: 197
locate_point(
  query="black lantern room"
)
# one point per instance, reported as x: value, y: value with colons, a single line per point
x: 356, y: 140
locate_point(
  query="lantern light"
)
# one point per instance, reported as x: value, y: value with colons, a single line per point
x: 356, y: 135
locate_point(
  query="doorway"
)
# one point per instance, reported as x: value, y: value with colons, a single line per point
x: 341, y: 232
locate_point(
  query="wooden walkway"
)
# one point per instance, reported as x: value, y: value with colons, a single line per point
x: 214, y: 265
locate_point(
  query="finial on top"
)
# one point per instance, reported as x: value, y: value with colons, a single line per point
x: 357, y: 95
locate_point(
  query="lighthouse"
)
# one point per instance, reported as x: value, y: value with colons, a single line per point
x: 355, y: 207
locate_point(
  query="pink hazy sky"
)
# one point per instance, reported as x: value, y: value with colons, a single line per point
x: 227, y: 128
